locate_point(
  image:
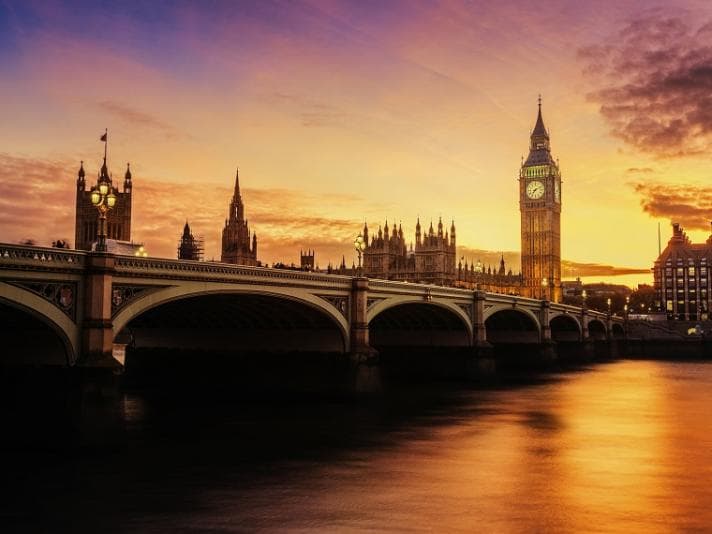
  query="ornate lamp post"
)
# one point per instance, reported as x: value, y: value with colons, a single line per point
x: 103, y: 197
x: 360, y: 246
x: 544, y: 285
x: 584, y: 327
x: 608, y: 301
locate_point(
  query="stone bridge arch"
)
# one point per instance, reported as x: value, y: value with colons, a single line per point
x: 27, y: 302
x: 518, y: 334
x: 565, y: 327
x: 333, y: 308
x: 597, y: 329
x: 452, y: 310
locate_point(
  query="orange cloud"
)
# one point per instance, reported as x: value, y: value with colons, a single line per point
x: 690, y: 205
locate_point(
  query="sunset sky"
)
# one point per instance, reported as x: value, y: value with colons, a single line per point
x: 338, y: 112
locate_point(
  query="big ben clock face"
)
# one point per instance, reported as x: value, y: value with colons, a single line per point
x: 535, y: 189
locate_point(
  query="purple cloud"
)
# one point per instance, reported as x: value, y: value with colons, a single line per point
x: 654, y: 84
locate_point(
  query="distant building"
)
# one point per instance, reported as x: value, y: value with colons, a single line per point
x: 306, y: 260
x: 682, y: 281
x: 571, y: 288
x: 118, y: 219
x: 499, y: 280
x: 432, y: 261
x: 189, y: 247
x: 237, y: 247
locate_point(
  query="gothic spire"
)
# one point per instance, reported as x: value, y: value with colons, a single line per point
x: 539, y: 128
x: 539, y: 148
x: 237, y: 183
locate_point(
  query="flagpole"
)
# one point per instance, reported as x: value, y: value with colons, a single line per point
x: 106, y: 141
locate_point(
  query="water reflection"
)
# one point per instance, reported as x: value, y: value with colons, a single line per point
x: 620, y: 447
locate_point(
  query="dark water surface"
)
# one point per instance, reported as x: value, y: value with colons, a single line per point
x: 619, y: 447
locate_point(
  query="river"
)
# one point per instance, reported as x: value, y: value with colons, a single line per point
x: 618, y: 447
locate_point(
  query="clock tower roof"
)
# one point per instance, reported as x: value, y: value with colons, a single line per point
x: 539, y: 128
x: 539, y: 148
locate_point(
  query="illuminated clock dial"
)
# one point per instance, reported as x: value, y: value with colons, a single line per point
x: 557, y: 191
x: 535, y: 189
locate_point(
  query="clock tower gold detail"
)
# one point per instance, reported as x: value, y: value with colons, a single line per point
x: 540, y: 208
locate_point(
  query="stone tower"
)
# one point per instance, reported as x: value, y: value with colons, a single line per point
x: 540, y: 208
x: 237, y: 247
x: 189, y: 246
x: 118, y: 219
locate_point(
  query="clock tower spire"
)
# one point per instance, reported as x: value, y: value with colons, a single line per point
x: 540, y: 208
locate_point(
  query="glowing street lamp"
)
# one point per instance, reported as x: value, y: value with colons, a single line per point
x: 544, y: 284
x: 103, y: 198
x: 608, y: 301
x: 360, y: 246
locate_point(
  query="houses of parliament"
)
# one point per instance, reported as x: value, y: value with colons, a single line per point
x: 431, y: 258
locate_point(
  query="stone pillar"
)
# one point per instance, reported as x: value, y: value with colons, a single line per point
x: 97, y: 329
x: 609, y: 328
x: 548, y: 347
x: 479, y: 332
x: 544, y: 320
x: 360, y: 348
x: 584, y: 325
x: 483, y: 363
x: 364, y: 369
x: 588, y: 348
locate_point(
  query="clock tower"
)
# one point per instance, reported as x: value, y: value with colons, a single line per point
x: 540, y: 207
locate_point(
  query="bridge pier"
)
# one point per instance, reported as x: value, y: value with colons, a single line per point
x: 547, y: 350
x: 97, y: 328
x: 363, y: 359
x: 482, y: 363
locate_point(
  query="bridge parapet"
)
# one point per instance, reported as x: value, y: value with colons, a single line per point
x: 377, y: 285
x: 23, y: 257
x: 130, y: 266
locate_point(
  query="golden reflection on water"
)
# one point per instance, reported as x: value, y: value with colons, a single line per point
x: 623, y: 447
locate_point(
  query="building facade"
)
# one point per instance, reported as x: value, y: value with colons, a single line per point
x: 540, y: 208
x: 431, y: 261
x: 682, y: 278
x: 497, y: 280
x: 237, y: 245
x: 118, y: 219
x: 189, y: 246
x: 306, y: 260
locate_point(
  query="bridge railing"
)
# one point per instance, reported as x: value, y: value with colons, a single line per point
x: 186, y: 268
x: 26, y: 256
x: 507, y: 299
x: 412, y: 287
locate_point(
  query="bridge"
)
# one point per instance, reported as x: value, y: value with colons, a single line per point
x: 76, y: 308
